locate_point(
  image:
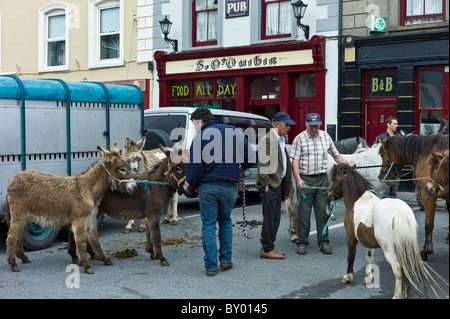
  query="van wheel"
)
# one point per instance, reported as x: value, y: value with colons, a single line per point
x: 38, y: 237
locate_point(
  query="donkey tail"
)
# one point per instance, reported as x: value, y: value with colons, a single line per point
x: 413, y: 268
x: 7, y: 215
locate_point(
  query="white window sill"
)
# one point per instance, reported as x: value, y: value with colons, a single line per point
x: 54, y: 69
x: 106, y: 64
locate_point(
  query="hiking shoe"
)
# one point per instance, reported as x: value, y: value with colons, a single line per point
x: 226, y: 265
x: 211, y: 272
x: 301, y: 250
x: 326, y: 249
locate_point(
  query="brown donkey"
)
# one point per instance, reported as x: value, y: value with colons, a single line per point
x: 56, y: 201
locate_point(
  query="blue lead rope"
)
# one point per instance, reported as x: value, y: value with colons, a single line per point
x: 150, y: 182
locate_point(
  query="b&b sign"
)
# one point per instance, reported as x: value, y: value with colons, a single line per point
x: 236, y: 8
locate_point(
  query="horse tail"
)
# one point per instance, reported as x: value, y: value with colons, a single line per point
x: 407, y: 249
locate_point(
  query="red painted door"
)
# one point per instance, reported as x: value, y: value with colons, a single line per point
x: 375, y: 116
x: 299, y: 112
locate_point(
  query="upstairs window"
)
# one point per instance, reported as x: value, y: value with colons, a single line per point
x: 276, y: 19
x: 53, y: 50
x: 422, y: 11
x: 205, y: 23
x: 56, y: 40
x: 106, y: 36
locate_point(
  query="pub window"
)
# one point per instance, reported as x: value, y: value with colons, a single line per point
x: 205, y: 23
x: 429, y: 94
x: 217, y: 93
x: 305, y: 85
x: 265, y: 87
x: 276, y: 19
x: 421, y: 11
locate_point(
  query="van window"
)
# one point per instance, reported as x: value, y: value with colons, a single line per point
x: 259, y: 127
x: 166, y: 123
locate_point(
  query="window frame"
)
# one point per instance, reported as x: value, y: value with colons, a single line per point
x: 52, y: 9
x: 264, y: 36
x: 95, y: 7
x: 404, y: 16
x: 196, y: 43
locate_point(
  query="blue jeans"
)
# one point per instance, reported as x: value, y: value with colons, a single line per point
x: 216, y: 202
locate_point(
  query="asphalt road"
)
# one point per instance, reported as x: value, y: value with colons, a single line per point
x: 313, y: 276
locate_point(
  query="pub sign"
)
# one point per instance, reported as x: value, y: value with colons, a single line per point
x: 236, y: 8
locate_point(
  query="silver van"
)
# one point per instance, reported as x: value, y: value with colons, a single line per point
x: 169, y: 125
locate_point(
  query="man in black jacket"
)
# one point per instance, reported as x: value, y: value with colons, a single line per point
x: 213, y: 170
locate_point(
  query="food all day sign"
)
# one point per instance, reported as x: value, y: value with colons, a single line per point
x: 236, y: 8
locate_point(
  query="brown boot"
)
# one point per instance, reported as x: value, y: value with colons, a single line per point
x: 271, y: 254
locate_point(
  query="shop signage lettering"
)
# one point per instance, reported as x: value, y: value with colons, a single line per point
x: 181, y: 91
x: 236, y: 8
x: 382, y: 84
x: 231, y: 63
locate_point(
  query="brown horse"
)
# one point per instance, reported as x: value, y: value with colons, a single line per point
x: 387, y: 223
x: 398, y: 151
x: 438, y: 182
x: 56, y: 201
x: 168, y: 177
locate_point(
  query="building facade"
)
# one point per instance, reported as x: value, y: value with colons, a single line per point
x: 395, y: 62
x: 250, y: 56
x: 76, y: 40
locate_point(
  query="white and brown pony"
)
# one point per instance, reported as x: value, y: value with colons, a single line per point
x: 57, y: 201
x: 414, y: 150
x: 387, y: 223
x: 144, y: 161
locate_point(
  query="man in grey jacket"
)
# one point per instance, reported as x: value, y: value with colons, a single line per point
x: 273, y: 181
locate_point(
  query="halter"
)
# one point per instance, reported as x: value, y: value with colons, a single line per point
x: 434, y: 180
x: 120, y: 181
x: 390, y: 164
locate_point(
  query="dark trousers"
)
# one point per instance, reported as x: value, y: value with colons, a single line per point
x: 271, y: 206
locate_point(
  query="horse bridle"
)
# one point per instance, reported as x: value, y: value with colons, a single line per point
x: 390, y: 164
x: 437, y: 172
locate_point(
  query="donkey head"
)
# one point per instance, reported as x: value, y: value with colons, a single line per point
x: 116, y: 167
x: 132, y: 150
x: 177, y: 167
x: 438, y: 163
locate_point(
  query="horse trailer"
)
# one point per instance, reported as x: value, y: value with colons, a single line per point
x: 53, y: 126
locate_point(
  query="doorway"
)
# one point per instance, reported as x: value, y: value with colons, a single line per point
x: 375, y: 117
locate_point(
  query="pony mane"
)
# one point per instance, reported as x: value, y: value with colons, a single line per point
x: 413, y: 147
x: 354, y: 185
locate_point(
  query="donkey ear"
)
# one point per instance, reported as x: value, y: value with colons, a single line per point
x: 126, y: 145
x: 103, y: 153
x: 115, y: 148
x: 140, y: 145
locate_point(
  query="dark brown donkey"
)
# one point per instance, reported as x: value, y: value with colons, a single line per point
x: 398, y: 151
x: 56, y: 201
x: 149, y: 200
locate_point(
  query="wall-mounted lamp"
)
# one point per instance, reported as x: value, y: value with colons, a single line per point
x: 165, y: 28
x: 299, y: 12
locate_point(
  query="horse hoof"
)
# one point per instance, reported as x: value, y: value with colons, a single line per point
x: 347, y: 278
x: 15, y: 269
x: 165, y: 263
x: 127, y: 231
x: 174, y: 222
x: 89, y: 271
x: 424, y: 256
x: 141, y: 229
x: 26, y: 261
x: 76, y: 261
x: 165, y: 221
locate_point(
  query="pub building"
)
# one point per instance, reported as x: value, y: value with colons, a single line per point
x: 261, y: 79
x: 402, y: 75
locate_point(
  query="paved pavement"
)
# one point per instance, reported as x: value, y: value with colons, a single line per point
x: 313, y: 276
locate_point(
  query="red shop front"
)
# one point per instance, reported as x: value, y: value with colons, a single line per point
x: 261, y: 79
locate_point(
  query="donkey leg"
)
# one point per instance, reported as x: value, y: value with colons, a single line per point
x: 79, y: 231
x: 173, y: 209
x: 129, y: 226
x: 369, y: 261
x: 149, y: 245
x: 155, y: 236
x: 11, y: 242
x: 92, y: 236
x: 143, y: 225
x: 71, y: 248
x: 19, y: 244
x: 429, y: 202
